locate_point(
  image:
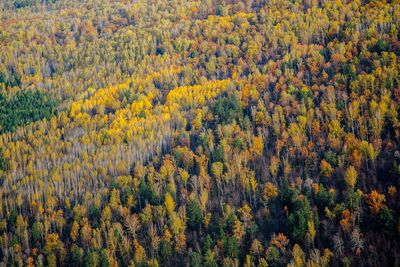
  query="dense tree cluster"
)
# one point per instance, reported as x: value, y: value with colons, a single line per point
x: 199, y: 133
x: 24, y: 107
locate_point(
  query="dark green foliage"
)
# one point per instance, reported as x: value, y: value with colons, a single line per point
x: 227, y: 109
x: 229, y: 222
x: 238, y: 143
x: 103, y: 259
x: 23, y: 108
x: 218, y: 155
x: 125, y: 72
x: 195, y: 214
x: 30, y: 3
x: 165, y: 250
x: 388, y: 221
x: 36, y: 232
x: 231, y: 247
x: 3, y: 77
x: 208, y: 243
x: 380, y: 46
x: 125, y: 193
x: 23, y: 3
x: 348, y: 72
x: 76, y: 256
x: 323, y: 198
x: 299, y: 218
x: 92, y: 259
x: 326, y: 53
x: 146, y: 194
x: 340, y: 105
x: 353, y: 199
x: 94, y: 215
x: 14, y: 240
x: 3, y: 162
x: 330, y: 157
x: 220, y: 10
x: 285, y: 193
x: 13, y: 80
x: 12, y: 219
x: 195, y: 260
x: 274, y: 256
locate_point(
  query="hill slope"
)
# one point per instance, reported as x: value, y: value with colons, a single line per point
x: 199, y: 133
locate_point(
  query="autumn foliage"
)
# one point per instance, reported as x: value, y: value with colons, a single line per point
x: 199, y: 133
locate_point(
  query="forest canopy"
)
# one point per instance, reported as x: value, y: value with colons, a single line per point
x: 24, y: 107
x: 199, y: 133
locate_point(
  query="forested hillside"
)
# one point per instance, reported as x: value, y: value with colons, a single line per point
x: 199, y: 133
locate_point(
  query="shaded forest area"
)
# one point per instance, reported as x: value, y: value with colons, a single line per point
x: 199, y: 133
x: 24, y: 107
